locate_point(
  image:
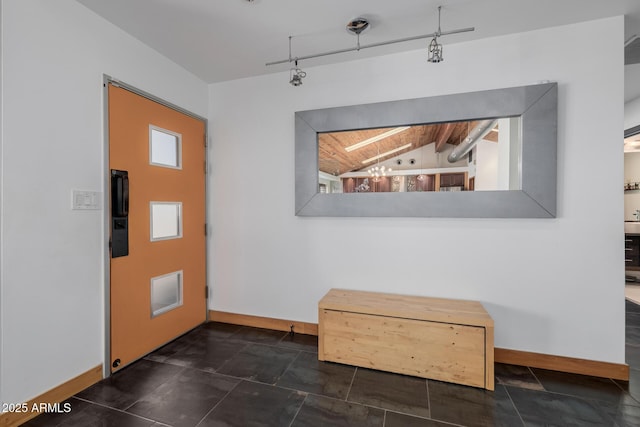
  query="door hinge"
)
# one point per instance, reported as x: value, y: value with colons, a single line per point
x: 205, y: 167
x: 205, y: 229
x: 206, y: 292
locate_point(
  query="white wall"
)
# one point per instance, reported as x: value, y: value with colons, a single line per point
x: 487, y: 154
x: 52, y: 283
x: 553, y: 286
x: 1, y: 186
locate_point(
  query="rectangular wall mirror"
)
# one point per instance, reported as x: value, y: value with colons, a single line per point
x: 480, y: 154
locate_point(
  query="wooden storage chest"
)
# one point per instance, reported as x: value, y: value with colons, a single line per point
x: 441, y: 339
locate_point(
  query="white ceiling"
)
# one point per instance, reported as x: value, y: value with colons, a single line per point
x: 225, y: 40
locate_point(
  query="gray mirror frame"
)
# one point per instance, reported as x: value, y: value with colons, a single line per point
x: 536, y: 104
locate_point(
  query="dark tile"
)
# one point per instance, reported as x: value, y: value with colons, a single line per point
x: 212, y: 330
x: 67, y: 409
x: 631, y: 307
x: 324, y: 411
x: 584, y: 386
x: 632, y: 319
x: 632, y: 335
x: 386, y: 390
x: 183, y: 341
x: 632, y: 356
x: 176, y: 385
x: 472, y: 407
x: 126, y: 386
x: 258, y: 335
x: 259, y: 363
x: 207, y: 354
x: 96, y: 415
x: 624, y: 415
x: 518, y: 376
x: 219, y: 329
x: 633, y: 385
x: 300, y: 342
x: 308, y: 374
x: 254, y: 404
x: 393, y: 419
x: 544, y: 408
x: 212, y: 353
x: 185, y: 399
x: 177, y: 346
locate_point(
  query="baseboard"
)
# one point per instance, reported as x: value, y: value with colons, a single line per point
x: 617, y: 371
x: 264, y: 322
x: 55, y: 395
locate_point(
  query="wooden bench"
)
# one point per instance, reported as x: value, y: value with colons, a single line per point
x: 441, y: 339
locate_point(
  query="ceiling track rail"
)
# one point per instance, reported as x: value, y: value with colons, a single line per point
x: 367, y: 46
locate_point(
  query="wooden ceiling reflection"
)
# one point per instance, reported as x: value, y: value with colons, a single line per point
x: 335, y: 160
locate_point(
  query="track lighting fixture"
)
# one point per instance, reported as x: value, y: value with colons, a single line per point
x: 295, y: 74
x: 356, y: 27
x: 435, y: 49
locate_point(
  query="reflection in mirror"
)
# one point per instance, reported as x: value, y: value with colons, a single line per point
x: 522, y: 187
x: 478, y: 155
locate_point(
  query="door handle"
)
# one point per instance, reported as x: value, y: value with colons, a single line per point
x: 119, y: 213
x: 119, y: 193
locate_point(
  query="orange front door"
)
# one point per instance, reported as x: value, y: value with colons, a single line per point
x: 158, y: 286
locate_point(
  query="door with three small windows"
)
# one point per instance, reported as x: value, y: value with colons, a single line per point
x: 158, y: 249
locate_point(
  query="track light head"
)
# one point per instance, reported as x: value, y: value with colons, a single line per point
x: 435, y: 51
x: 296, y: 75
x: 296, y: 79
x: 435, y: 48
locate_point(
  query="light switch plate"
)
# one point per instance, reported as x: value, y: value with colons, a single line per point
x: 86, y: 200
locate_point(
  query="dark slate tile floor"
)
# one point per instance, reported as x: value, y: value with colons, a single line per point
x: 228, y: 375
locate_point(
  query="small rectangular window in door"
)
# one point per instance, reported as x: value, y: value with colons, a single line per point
x: 166, y: 293
x: 165, y: 148
x: 166, y: 220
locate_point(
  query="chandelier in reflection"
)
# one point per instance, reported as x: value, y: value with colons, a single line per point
x: 378, y: 172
